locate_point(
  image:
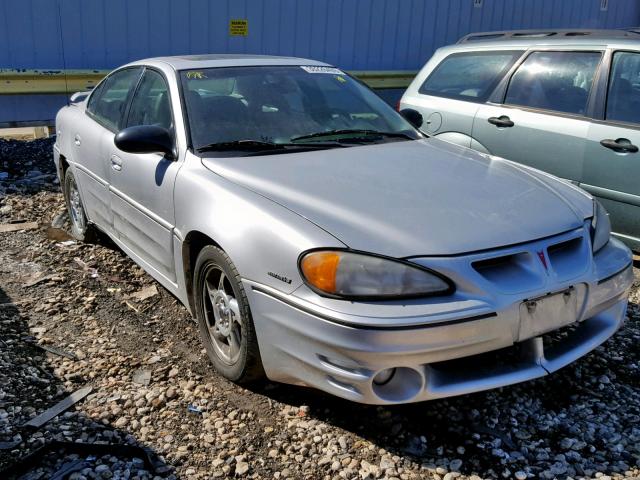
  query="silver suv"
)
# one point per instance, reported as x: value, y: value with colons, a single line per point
x: 564, y: 101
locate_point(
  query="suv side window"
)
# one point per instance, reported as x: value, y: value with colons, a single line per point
x: 150, y: 104
x: 623, y: 97
x: 469, y: 75
x: 111, y: 100
x: 559, y: 81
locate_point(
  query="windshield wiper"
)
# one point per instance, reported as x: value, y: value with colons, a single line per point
x: 260, y: 145
x: 239, y: 145
x: 356, y: 132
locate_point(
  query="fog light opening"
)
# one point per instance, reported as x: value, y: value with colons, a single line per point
x: 383, y: 377
x: 399, y: 384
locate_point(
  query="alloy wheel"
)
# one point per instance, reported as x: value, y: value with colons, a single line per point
x: 75, y: 207
x: 222, y: 314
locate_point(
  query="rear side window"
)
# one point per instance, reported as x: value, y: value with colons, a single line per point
x: 559, y: 81
x: 107, y: 105
x: 150, y: 104
x: 623, y: 97
x: 469, y: 75
x: 94, y: 97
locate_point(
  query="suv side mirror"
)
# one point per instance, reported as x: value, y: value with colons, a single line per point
x: 412, y: 116
x: 146, y: 139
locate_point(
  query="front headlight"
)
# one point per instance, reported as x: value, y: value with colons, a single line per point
x: 600, y: 226
x: 353, y: 275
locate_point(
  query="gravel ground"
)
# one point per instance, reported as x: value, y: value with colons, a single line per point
x: 152, y: 386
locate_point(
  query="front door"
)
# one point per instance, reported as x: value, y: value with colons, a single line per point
x: 612, y: 160
x: 542, y: 121
x: 105, y: 107
x: 142, y: 184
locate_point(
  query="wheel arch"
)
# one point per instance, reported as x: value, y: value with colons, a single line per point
x: 192, y: 245
x: 62, y: 167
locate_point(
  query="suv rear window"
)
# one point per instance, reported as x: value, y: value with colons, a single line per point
x: 559, y: 81
x: 469, y: 75
x: 623, y: 99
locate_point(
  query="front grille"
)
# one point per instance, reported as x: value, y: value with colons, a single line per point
x: 495, y: 359
x: 569, y: 258
x: 512, y: 356
x: 559, y: 336
x: 528, y: 269
x: 511, y: 273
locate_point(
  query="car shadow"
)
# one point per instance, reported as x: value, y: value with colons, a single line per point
x: 519, y: 427
x: 29, y: 386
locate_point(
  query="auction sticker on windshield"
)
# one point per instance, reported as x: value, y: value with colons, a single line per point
x: 317, y: 69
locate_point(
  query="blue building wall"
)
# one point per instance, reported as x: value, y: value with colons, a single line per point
x: 353, y: 34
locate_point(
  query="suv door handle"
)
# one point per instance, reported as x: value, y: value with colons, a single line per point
x: 116, y: 163
x: 621, y: 145
x: 77, y: 140
x: 501, y: 121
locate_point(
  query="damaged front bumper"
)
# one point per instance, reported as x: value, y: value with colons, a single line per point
x: 486, y: 335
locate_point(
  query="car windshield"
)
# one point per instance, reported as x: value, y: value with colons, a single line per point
x: 232, y: 110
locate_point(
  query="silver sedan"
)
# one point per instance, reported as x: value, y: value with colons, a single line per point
x: 319, y: 239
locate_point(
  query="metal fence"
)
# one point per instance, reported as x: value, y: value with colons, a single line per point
x: 52, y: 47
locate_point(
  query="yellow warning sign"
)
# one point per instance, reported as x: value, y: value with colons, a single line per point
x: 239, y: 27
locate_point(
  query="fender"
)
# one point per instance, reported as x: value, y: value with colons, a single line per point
x: 255, y: 225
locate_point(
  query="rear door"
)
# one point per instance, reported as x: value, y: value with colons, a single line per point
x: 612, y: 159
x: 539, y: 116
x: 451, y: 93
x: 142, y: 184
x: 105, y: 107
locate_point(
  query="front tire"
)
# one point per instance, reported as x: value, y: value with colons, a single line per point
x: 224, y: 318
x: 81, y: 229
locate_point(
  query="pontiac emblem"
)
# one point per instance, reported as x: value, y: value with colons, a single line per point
x: 543, y: 259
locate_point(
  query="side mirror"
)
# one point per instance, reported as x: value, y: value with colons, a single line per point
x: 412, y: 116
x: 145, y: 139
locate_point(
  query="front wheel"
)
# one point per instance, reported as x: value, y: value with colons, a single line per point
x: 224, y: 318
x: 80, y: 227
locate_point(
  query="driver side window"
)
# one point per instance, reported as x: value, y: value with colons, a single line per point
x: 150, y: 104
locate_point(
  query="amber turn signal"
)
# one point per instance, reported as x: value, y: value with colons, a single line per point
x: 320, y: 270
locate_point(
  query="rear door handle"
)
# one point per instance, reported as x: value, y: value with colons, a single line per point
x: 501, y: 121
x: 77, y: 140
x: 116, y: 163
x: 620, y: 145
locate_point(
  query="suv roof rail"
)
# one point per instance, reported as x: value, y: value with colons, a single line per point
x: 546, y: 33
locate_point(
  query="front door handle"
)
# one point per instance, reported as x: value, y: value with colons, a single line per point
x: 116, y: 163
x: 77, y: 140
x: 501, y: 121
x: 620, y: 145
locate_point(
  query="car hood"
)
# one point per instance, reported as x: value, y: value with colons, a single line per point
x: 407, y: 198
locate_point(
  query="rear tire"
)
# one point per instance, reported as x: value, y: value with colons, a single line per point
x: 81, y: 229
x: 224, y: 318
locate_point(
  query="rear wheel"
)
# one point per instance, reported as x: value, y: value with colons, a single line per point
x: 224, y: 318
x: 80, y: 227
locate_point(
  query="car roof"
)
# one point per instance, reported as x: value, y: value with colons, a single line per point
x: 550, y: 37
x: 188, y: 62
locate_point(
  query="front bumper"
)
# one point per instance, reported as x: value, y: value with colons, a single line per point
x: 473, y: 342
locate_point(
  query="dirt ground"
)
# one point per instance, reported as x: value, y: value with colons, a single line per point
x: 153, y: 386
